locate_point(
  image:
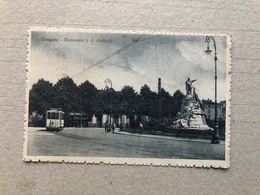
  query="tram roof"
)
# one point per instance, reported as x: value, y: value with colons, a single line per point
x: 55, y: 109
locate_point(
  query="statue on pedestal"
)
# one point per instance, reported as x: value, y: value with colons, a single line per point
x: 191, y: 115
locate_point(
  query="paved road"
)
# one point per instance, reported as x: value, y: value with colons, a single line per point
x: 94, y: 142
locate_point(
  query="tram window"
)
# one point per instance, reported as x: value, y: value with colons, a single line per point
x: 48, y: 115
x: 56, y: 115
x: 52, y: 115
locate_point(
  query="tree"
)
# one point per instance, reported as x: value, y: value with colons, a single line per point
x: 67, y: 95
x: 111, y: 101
x: 145, y: 91
x: 129, y: 101
x: 176, y: 102
x: 148, y: 105
x: 40, y: 100
x: 166, y: 103
x: 41, y: 97
x: 98, y: 102
x: 87, y: 92
x: 107, y: 101
x: 116, y: 101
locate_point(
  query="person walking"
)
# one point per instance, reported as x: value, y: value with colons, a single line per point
x: 140, y: 128
x: 113, y: 127
x: 106, y: 126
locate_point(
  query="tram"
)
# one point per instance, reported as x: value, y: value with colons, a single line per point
x: 55, y: 119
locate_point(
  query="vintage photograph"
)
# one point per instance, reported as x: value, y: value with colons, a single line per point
x: 128, y: 98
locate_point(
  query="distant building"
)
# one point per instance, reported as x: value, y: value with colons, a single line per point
x: 36, y: 120
x: 78, y: 119
x: 209, y: 109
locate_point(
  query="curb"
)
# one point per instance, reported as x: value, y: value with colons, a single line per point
x: 162, y: 137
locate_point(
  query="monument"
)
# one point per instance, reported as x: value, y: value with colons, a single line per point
x: 191, y: 115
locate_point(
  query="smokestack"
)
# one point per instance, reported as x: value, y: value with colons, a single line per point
x: 159, y: 121
x: 159, y: 85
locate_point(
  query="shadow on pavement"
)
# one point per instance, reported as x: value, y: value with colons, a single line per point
x: 70, y: 135
x: 42, y: 130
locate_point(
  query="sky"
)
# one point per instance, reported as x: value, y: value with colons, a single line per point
x: 128, y: 59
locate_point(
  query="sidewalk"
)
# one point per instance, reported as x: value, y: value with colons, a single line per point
x: 117, y: 131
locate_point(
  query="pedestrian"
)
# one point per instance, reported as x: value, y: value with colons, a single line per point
x: 140, y: 128
x: 106, y: 126
x: 113, y: 127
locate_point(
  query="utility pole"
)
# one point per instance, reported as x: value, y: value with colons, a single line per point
x: 159, y: 102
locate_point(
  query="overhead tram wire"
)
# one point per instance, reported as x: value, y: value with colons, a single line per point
x: 145, y: 40
x: 111, y: 55
x: 155, y: 44
x: 149, y: 38
x: 142, y: 39
x: 211, y: 55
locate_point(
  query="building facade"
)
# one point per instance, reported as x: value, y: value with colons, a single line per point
x: 209, y: 109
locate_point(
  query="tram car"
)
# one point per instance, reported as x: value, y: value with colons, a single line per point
x: 55, y: 119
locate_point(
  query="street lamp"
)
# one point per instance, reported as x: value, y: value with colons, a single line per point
x: 215, y: 138
x: 81, y: 113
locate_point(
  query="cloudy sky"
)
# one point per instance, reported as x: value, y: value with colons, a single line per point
x: 128, y: 59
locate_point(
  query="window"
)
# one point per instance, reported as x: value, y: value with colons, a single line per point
x: 52, y: 115
x: 56, y: 115
x: 48, y: 115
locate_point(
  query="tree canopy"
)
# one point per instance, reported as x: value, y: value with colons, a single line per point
x: 86, y: 98
x: 67, y: 95
x: 41, y: 97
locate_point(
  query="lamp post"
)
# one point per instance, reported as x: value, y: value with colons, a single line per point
x: 81, y: 108
x: 81, y: 113
x: 215, y: 138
